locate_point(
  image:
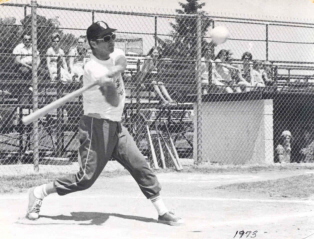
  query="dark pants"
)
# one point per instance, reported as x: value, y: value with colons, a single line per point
x: 101, y: 140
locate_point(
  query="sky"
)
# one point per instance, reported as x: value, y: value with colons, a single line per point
x: 279, y: 10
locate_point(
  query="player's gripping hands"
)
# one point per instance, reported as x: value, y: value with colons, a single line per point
x: 108, y: 87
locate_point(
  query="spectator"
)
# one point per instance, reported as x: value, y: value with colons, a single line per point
x: 307, y: 151
x: 246, y: 67
x: 267, y: 73
x: 257, y: 72
x: 150, y: 66
x: 76, y: 62
x: 23, y: 59
x: 52, y: 58
x: 207, y: 62
x: 226, y: 76
x: 283, y: 149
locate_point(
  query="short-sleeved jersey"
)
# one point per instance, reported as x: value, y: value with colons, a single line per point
x: 94, y: 101
x: 25, y: 53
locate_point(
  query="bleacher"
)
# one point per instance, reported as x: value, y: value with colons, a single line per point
x: 177, y: 75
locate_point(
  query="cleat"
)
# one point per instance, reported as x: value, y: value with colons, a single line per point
x: 34, y: 205
x: 170, y: 219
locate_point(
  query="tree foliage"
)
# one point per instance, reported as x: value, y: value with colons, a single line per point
x: 184, y: 34
x: 9, y: 34
x: 45, y: 28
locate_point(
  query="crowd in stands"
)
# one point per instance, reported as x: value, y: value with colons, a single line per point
x: 228, y: 75
x: 220, y: 73
x: 77, y: 55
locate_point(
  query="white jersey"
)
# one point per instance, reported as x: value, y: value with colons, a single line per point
x: 94, y: 102
x: 25, y: 53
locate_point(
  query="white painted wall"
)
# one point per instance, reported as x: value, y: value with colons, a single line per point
x: 238, y: 132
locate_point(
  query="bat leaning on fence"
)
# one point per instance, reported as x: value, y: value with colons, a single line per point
x: 170, y: 153
x: 152, y: 149
x: 55, y: 104
x: 173, y: 147
x: 162, y: 155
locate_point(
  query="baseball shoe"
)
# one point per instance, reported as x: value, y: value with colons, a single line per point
x: 170, y: 219
x: 34, y: 205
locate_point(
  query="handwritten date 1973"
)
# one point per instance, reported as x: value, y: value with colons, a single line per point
x: 245, y: 234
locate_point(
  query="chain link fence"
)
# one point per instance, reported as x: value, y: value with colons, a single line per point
x: 187, y: 97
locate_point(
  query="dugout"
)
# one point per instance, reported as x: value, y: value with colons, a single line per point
x: 294, y: 112
x: 245, y: 128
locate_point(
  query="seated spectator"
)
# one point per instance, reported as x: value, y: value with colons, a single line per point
x: 76, y: 61
x: 246, y: 66
x: 23, y: 59
x: 207, y: 62
x: 150, y: 66
x: 257, y: 72
x: 223, y: 72
x: 283, y: 149
x: 52, y: 57
x: 267, y: 73
x: 307, y: 151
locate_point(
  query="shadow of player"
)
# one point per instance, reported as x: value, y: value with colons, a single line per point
x: 95, y: 218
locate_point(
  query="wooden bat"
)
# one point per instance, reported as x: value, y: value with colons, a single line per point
x: 170, y: 153
x: 152, y: 149
x: 173, y: 148
x: 162, y: 155
x: 55, y: 104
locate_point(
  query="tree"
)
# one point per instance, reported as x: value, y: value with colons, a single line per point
x: 45, y: 27
x: 184, y: 34
x: 9, y: 34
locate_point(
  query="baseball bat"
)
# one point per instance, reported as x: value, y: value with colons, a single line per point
x: 173, y: 147
x: 170, y: 153
x: 152, y: 149
x: 55, y: 104
x: 162, y: 155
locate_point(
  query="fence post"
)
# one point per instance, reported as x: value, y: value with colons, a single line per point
x: 59, y: 129
x: 93, y: 16
x: 35, y: 84
x: 155, y: 31
x: 267, y: 41
x: 199, y: 90
x: 25, y: 11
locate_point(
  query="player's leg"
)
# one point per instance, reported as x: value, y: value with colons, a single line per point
x: 157, y: 90
x: 165, y: 91
x: 128, y: 154
x: 97, y: 141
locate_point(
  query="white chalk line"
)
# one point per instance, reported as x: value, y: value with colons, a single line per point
x: 253, y: 200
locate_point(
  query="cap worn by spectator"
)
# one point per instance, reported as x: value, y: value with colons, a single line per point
x: 286, y: 133
x: 98, y: 29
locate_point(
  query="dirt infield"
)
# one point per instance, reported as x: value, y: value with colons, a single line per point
x: 115, y: 208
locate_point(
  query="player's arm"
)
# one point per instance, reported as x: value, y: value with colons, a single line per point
x: 119, y: 67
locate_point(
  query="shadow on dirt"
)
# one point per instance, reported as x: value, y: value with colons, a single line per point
x: 95, y: 218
